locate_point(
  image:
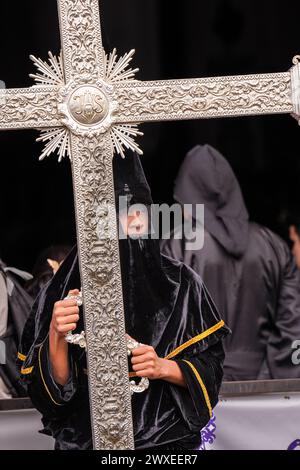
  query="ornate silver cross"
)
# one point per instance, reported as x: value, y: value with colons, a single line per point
x: 87, y: 105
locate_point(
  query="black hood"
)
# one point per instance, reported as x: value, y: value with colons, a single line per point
x: 206, y: 177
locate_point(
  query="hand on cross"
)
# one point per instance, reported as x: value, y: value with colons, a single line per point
x: 146, y: 363
x: 65, y: 315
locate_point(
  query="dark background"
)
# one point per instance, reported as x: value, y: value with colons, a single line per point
x: 173, y: 40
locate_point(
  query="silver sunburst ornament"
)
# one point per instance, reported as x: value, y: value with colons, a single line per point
x: 81, y: 108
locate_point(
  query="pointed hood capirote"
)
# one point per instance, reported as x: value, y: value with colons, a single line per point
x: 206, y: 177
x: 166, y: 306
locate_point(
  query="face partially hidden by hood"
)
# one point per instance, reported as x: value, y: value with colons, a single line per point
x: 147, y: 287
x: 206, y: 177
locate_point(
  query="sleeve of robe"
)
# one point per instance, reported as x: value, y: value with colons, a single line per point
x: 203, y: 372
x: 286, y: 329
x: 51, y: 399
x: 173, y: 248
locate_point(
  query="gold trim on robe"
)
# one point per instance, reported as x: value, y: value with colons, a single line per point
x: 43, y: 380
x: 27, y: 371
x: 196, y: 339
x: 21, y: 357
x: 206, y: 397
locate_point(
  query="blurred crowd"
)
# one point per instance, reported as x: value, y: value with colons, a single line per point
x: 18, y: 289
x: 251, y: 273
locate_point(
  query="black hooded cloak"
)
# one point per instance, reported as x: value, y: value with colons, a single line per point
x: 248, y: 270
x: 166, y: 306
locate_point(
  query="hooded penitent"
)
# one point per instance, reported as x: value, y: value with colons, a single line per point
x: 206, y: 177
x: 248, y: 270
x: 166, y: 306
